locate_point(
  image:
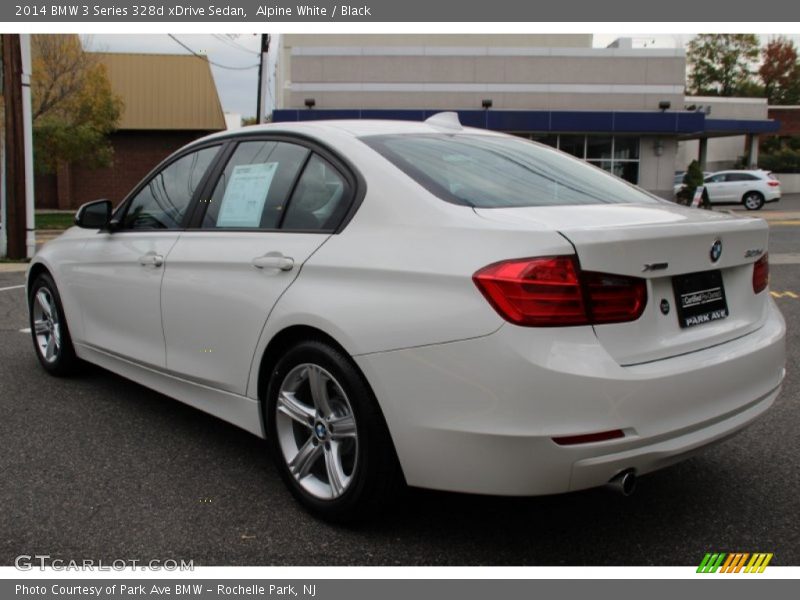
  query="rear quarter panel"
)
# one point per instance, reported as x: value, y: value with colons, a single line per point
x: 400, y: 273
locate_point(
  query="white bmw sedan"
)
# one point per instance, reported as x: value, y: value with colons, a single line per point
x: 394, y: 303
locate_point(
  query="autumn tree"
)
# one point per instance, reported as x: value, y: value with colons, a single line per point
x: 780, y: 71
x: 722, y: 64
x: 73, y: 106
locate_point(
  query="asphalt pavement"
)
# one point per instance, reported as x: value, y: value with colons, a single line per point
x: 96, y: 467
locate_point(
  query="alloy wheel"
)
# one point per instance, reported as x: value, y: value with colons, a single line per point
x: 46, y: 325
x: 752, y: 201
x: 316, y: 431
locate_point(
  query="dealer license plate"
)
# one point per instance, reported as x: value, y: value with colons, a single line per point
x: 700, y: 298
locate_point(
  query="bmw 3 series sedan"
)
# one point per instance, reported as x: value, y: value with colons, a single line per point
x: 398, y: 303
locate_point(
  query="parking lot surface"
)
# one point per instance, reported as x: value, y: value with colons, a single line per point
x: 96, y: 467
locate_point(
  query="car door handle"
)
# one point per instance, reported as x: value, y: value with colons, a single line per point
x: 274, y: 260
x: 151, y: 259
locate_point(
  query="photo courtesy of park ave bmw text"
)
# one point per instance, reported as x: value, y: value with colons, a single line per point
x: 286, y: 287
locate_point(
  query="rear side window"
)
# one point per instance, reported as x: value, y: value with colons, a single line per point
x: 498, y: 172
x: 253, y: 190
x: 740, y: 177
x: 318, y: 199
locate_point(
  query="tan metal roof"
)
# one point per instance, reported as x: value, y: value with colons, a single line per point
x: 164, y: 91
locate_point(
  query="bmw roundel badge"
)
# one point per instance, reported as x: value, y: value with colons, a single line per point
x: 716, y: 250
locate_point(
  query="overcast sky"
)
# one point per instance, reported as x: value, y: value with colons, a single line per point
x: 236, y: 57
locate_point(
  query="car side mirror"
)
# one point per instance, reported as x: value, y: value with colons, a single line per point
x: 94, y: 215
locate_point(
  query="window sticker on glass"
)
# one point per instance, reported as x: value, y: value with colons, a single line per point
x: 247, y: 190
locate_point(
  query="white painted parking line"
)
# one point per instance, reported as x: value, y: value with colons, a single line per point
x: 13, y: 287
x: 26, y: 330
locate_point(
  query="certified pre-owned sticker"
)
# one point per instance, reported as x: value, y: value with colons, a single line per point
x: 701, y: 297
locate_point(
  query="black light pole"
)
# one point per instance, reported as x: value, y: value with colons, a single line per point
x: 262, y: 65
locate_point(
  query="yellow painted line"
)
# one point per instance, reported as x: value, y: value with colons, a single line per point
x: 786, y: 294
x: 785, y: 222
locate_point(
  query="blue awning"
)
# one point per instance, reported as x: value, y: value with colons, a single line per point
x: 684, y: 124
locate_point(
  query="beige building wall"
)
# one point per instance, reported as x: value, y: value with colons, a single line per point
x: 657, y: 164
x: 724, y: 152
x: 526, y: 40
x: 459, y: 71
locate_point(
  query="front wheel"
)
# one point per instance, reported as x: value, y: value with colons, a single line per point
x: 753, y: 201
x: 51, y: 337
x: 327, y: 434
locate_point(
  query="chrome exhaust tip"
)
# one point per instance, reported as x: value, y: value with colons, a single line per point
x: 623, y: 483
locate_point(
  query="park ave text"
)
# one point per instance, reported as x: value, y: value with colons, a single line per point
x: 144, y: 11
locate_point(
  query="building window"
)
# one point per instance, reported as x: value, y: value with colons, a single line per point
x: 616, y: 154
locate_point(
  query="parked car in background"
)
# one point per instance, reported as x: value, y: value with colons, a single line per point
x: 422, y: 303
x: 753, y: 188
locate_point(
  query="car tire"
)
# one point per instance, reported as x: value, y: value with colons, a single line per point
x: 753, y: 200
x: 327, y: 434
x: 49, y: 330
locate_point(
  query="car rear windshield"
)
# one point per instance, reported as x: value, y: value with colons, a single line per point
x: 485, y: 171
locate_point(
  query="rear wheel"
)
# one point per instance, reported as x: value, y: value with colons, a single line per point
x: 49, y: 330
x: 753, y: 200
x: 327, y: 434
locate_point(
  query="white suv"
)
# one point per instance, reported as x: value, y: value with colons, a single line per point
x: 751, y: 188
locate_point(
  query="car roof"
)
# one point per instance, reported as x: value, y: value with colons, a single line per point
x: 352, y: 127
x: 751, y: 171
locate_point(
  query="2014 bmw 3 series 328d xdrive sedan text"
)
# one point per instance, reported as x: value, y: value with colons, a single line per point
x: 393, y: 303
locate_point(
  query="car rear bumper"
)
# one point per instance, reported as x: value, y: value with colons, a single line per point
x: 480, y: 415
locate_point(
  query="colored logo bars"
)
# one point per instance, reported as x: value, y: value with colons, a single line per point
x: 734, y: 562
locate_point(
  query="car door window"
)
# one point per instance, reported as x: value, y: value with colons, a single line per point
x: 740, y: 177
x: 318, y: 199
x: 253, y: 190
x: 715, y: 179
x: 162, y: 202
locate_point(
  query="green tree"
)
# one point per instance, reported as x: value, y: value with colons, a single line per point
x: 692, y: 179
x: 780, y: 71
x: 721, y: 64
x: 73, y: 106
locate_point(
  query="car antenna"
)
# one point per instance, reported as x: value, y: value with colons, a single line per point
x: 445, y: 120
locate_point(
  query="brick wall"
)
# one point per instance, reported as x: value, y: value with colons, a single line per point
x: 789, y: 118
x: 135, y: 154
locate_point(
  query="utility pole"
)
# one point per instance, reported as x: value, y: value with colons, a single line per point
x: 14, y: 153
x: 263, y: 80
x: 27, y: 139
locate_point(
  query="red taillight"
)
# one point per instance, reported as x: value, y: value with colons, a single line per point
x: 773, y: 183
x: 761, y: 274
x: 615, y: 298
x: 552, y: 291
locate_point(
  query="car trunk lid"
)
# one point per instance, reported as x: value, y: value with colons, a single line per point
x: 668, y: 246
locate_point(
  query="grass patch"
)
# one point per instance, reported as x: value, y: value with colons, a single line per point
x: 54, y: 220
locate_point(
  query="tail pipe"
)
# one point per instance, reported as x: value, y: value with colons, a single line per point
x: 623, y: 483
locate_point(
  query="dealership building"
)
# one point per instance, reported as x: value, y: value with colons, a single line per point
x: 621, y: 108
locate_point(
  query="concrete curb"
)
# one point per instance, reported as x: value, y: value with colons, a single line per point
x: 13, y: 267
